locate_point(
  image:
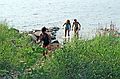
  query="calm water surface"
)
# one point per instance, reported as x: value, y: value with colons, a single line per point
x: 27, y: 15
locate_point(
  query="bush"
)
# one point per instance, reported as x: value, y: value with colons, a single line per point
x: 98, y: 58
x: 17, y: 53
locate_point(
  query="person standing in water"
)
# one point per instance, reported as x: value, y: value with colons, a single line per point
x: 77, y: 27
x: 67, y: 27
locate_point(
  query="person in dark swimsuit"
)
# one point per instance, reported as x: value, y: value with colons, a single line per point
x: 77, y: 27
x: 45, y: 37
x: 67, y: 27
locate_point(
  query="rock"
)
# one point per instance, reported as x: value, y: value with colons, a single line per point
x: 33, y: 37
x: 37, y: 33
x: 37, y: 30
x: 53, y: 33
x: 14, y: 29
x: 49, y: 30
x: 56, y: 41
x: 53, y: 29
x: 53, y: 46
x: 53, y: 37
x: 56, y: 28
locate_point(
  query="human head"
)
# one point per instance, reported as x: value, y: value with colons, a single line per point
x: 75, y: 20
x: 68, y: 21
x: 44, y: 29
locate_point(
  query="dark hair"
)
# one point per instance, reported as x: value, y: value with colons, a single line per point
x: 75, y: 20
x: 44, y: 29
x: 68, y: 21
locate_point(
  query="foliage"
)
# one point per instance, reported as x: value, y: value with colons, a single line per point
x: 17, y: 53
x: 98, y: 58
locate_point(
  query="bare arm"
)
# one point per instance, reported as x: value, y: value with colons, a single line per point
x: 70, y: 25
x: 79, y: 25
x: 64, y: 24
x: 40, y: 39
x: 73, y: 25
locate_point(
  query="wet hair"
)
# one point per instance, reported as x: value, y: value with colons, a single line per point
x: 44, y: 29
x: 75, y: 20
x: 68, y: 21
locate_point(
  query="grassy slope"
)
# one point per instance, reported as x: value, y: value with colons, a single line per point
x: 98, y: 58
x: 17, y: 54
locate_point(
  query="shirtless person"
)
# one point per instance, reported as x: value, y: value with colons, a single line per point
x: 77, y: 27
x: 45, y: 38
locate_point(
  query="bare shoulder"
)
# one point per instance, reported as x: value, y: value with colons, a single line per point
x: 78, y: 22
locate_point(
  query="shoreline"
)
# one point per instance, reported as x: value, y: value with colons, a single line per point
x: 27, y: 58
x: 58, y: 32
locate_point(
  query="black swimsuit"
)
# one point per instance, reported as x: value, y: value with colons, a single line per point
x: 45, y: 39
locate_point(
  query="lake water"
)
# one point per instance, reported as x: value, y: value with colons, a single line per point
x: 27, y: 15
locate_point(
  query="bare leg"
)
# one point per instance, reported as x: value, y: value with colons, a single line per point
x: 68, y: 32
x: 65, y: 32
x: 77, y: 34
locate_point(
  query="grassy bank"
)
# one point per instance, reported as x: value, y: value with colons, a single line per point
x: 98, y: 58
x: 17, y: 53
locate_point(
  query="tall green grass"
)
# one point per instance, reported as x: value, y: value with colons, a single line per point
x: 98, y: 58
x: 17, y: 53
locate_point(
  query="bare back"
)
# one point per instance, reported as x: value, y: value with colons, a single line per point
x: 76, y: 25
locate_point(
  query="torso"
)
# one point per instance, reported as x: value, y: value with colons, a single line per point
x: 45, y: 38
x: 76, y: 25
x: 67, y: 26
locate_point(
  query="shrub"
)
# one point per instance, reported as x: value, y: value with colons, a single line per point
x: 17, y: 53
x: 98, y: 58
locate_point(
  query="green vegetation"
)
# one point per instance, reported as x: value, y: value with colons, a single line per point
x: 98, y: 58
x: 17, y: 53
